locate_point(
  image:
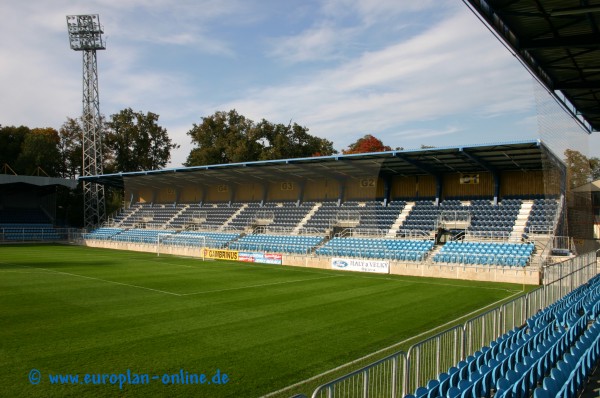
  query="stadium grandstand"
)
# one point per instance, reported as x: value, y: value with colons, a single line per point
x: 461, y: 212
x: 28, y: 209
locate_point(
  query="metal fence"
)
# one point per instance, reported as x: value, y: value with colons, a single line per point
x: 383, y: 378
x: 513, y: 314
x: 571, y: 272
x: 432, y: 356
x: 33, y: 234
x: 481, y: 330
x: 402, y: 373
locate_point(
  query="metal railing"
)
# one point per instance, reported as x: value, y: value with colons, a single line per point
x: 28, y: 234
x: 430, y: 357
x: 481, y: 330
x: 564, y: 243
x: 369, y: 233
x: 374, y: 253
x: 379, y: 379
x: 488, y: 236
x: 279, y: 230
x: 454, y: 219
x: 271, y: 247
x: 414, y: 234
x: 347, y: 216
x: 309, y: 231
x: 263, y: 217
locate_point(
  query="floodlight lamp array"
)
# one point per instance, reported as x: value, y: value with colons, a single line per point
x: 85, y: 32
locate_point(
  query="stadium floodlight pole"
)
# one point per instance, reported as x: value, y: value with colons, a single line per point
x: 85, y: 34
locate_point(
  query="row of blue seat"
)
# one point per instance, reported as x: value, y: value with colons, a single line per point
x: 211, y: 239
x: 51, y: 235
x: 392, y: 249
x: 28, y: 232
x: 574, y: 374
x: 530, y: 371
x: 509, y: 367
x: 562, y: 306
x: 184, y: 238
x: 277, y: 243
x: 103, y: 233
x: 140, y: 235
x: 551, y: 356
x: 485, y: 253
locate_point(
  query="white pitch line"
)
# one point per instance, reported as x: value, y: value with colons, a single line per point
x: 262, y: 285
x: 171, y: 293
x: 21, y: 272
x: 381, y: 350
x: 97, y: 279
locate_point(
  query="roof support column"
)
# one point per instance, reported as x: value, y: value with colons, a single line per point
x: 300, y: 199
x: 387, y: 188
x: 265, y: 193
x: 134, y: 194
x: 439, y: 185
x: 496, y: 187
x: 232, y: 190
x: 203, y: 196
x: 342, y: 191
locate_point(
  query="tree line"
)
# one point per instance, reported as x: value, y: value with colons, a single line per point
x: 132, y: 141
x: 135, y: 141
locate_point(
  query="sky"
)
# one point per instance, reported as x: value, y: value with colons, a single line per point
x: 411, y: 73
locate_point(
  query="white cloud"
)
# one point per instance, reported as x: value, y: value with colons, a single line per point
x: 339, y: 27
x: 432, y: 75
x: 369, y: 11
x: 319, y: 43
x: 419, y: 134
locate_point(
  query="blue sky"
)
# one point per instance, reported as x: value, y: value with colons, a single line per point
x: 409, y: 72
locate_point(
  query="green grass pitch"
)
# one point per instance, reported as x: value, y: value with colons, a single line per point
x: 102, y: 313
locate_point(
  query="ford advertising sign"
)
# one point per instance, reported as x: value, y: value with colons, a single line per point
x: 353, y: 264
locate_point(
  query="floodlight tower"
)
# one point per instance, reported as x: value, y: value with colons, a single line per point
x: 85, y: 34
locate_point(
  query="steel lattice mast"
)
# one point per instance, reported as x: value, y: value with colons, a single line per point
x: 85, y: 34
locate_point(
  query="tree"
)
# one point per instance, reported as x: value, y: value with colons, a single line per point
x: 136, y: 142
x: 11, y: 141
x: 368, y: 143
x: 595, y: 168
x: 282, y: 141
x: 40, y: 149
x: 71, y: 148
x: 225, y: 137
x: 228, y: 137
x: 579, y: 171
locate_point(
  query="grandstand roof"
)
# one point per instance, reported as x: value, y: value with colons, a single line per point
x: 593, y: 186
x: 526, y: 155
x: 559, y: 42
x: 39, y: 181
